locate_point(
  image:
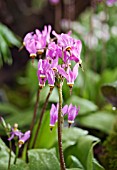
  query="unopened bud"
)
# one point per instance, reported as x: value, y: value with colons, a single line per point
x: 3, y: 122
x: 9, y: 127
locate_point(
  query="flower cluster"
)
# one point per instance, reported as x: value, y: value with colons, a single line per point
x: 22, y: 137
x: 61, y: 61
x: 58, y: 55
x: 71, y: 111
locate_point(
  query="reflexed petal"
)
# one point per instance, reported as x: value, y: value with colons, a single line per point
x: 53, y: 115
x: 24, y: 138
x: 62, y: 71
x: 65, y: 110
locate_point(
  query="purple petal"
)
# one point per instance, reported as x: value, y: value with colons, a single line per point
x: 24, y: 138
x: 51, y: 78
x: 62, y: 71
x: 53, y: 115
x: 65, y: 110
x: 12, y: 136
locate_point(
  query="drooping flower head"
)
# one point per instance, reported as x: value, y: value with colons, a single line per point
x: 59, y: 53
x: 30, y: 44
x: 53, y: 115
x: 35, y: 43
x: 43, y: 66
x: 15, y: 132
x: 42, y: 39
x: 70, y: 46
x: 72, y: 75
x: 53, y: 51
x: 24, y: 138
x: 71, y: 111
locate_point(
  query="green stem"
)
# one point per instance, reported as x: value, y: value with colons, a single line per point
x: 9, y: 162
x: 41, y: 117
x: 62, y: 162
x: 16, y: 154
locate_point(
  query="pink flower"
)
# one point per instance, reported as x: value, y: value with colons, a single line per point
x: 24, y: 138
x: 76, y: 50
x: 53, y: 51
x: 72, y: 112
x: 36, y: 42
x: 15, y: 132
x: 51, y: 78
x: 61, y: 71
x: 72, y: 75
x: 43, y: 67
x: 30, y: 44
x: 53, y: 115
x: 64, y: 40
x: 42, y: 38
x: 70, y: 46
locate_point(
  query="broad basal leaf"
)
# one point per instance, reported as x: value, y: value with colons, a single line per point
x: 42, y: 159
x: 4, y: 156
x: 71, y: 136
x: 46, y: 138
x: 83, y: 151
x: 101, y: 120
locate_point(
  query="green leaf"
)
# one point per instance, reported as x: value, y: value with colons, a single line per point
x: 4, y: 156
x: 74, y: 169
x: 4, y: 49
x: 8, y: 108
x: 18, y: 118
x: 9, y: 36
x: 54, y: 96
x: 86, y: 106
x: 31, y: 79
x: 7, y: 40
x: 1, y: 60
x: 71, y: 136
x: 87, y: 84
x: 96, y: 165
x: 101, y: 120
x: 108, y: 76
x: 72, y: 162
x: 41, y: 159
x: 46, y: 138
x: 20, y: 166
x: 110, y: 92
x: 83, y: 150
